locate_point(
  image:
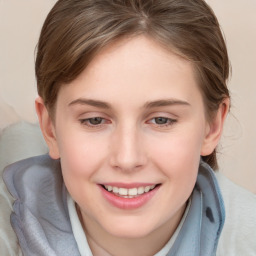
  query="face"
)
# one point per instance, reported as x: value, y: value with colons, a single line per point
x: 129, y: 131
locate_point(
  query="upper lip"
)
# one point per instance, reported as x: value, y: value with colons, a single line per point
x: 128, y: 185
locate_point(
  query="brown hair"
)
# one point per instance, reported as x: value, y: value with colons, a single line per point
x: 76, y: 30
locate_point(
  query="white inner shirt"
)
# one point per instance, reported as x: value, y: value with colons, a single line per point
x: 81, y: 239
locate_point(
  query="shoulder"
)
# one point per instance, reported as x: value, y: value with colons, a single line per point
x: 8, y: 240
x: 239, y: 233
x: 20, y: 182
x: 17, y: 141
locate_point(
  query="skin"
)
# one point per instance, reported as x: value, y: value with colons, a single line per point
x: 129, y: 85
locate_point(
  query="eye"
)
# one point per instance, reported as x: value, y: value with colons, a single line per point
x: 93, y: 121
x: 162, y: 121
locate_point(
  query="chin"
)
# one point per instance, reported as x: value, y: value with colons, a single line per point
x: 130, y: 228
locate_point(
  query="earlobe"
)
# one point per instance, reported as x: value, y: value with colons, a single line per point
x: 215, y: 128
x: 47, y: 128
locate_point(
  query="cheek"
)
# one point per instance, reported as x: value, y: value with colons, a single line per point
x: 178, y: 157
x: 80, y: 163
x: 80, y: 155
x: 178, y: 149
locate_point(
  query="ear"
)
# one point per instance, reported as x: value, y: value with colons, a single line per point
x: 215, y: 128
x: 47, y: 128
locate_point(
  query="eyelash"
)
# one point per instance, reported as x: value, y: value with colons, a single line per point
x: 87, y: 122
x: 166, y: 122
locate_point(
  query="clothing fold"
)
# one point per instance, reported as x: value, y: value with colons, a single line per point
x: 41, y: 220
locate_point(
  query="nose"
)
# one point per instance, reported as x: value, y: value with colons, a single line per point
x: 127, y: 150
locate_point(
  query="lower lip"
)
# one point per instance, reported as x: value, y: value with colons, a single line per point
x: 128, y: 203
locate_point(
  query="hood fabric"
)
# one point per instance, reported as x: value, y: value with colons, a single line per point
x: 41, y: 221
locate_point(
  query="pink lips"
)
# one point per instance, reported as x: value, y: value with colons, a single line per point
x: 128, y: 203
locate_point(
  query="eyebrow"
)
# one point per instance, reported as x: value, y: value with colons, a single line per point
x: 90, y: 102
x: 165, y: 102
x: 151, y: 104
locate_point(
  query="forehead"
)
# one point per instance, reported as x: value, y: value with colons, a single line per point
x: 135, y: 66
x: 137, y: 50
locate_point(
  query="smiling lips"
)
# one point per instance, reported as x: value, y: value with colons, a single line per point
x: 129, y: 198
x: 129, y: 192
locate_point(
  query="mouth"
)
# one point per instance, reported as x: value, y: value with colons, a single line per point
x: 129, y: 196
x: 132, y: 192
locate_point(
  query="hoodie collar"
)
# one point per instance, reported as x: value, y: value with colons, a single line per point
x: 41, y: 221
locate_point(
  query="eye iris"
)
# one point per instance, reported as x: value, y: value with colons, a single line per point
x: 95, y: 120
x: 161, y: 120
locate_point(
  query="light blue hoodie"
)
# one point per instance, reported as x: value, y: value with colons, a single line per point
x: 41, y: 221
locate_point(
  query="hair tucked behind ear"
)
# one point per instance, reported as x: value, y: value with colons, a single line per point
x: 76, y: 30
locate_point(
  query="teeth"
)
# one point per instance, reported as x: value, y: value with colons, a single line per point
x: 129, y: 193
x: 109, y: 188
x: 141, y: 190
x: 123, y: 191
x: 133, y: 192
x: 115, y: 190
x: 147, y: 188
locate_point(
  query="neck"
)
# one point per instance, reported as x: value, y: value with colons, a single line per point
x: 104, y: 244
